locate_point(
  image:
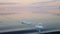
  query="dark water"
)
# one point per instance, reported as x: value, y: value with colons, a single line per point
x: 29, y: 32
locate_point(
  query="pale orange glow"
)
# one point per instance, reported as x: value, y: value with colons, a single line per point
x: 26, y: 13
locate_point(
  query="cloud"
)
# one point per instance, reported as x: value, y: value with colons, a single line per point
x: 47, y: 3
x: 46, y: 12
x: 55, y: 0
x: 11, y: 8
x: 42, y: 12
x: 7, y: 13
x: 43, y: 7
x: 7, y: 3
x: 56, y: 14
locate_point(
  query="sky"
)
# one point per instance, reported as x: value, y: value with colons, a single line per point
x: 28, y: 9
x: 24, y: 1
x: 28, y: 6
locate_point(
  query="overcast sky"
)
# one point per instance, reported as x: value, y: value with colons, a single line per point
x: 24, y: 1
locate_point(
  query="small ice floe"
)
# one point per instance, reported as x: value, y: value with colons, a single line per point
x: 39, y: 27
x: 25, y: 23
